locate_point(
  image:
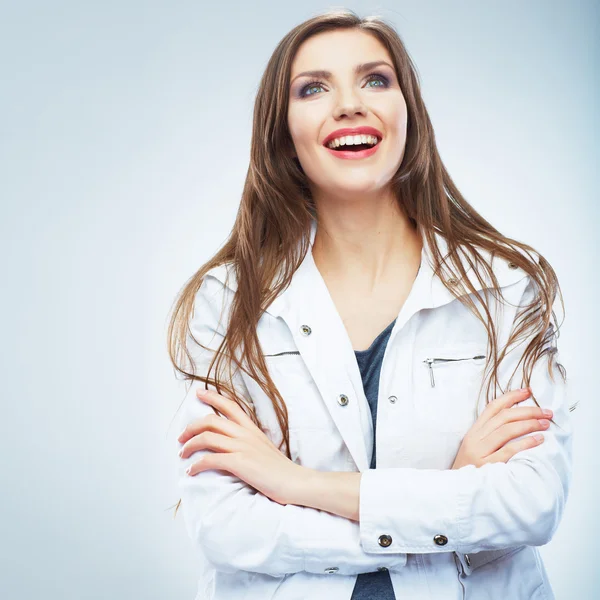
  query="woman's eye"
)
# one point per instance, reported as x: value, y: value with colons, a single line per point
x: 317, y: 84
x: 310, y: 86
x: 380, y: 78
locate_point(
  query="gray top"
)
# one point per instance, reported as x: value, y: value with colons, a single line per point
x: 376, y: 585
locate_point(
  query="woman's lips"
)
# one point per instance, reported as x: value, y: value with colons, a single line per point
x: 354, y: 154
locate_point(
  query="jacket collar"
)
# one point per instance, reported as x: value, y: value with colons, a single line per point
x: 428, y: 290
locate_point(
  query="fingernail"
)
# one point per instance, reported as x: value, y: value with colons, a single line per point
x: 547, y: 412
x: 538, y: 437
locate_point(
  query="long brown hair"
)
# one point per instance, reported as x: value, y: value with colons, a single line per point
x: 270, y: 234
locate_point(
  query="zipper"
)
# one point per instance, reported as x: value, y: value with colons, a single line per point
x: 434, y: 361
x: 284, y: 353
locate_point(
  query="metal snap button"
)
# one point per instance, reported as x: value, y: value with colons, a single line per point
x: 511, y: 265
x: 343, y: 399
x: 382, y: 568
x: 385, y: 540
x: 392, y: 399
x: 305, y: 330
x: 440, y: 540
x: 331, y: 570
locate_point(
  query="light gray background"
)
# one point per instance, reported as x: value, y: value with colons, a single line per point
x: 124, y: 131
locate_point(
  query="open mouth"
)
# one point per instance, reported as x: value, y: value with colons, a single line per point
x: 347, y: 149
x: 354, y: 147
x: 348, y: 146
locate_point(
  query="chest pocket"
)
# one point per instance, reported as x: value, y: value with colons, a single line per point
x: 306, y: 408
x: 287, y: 364
x: 446, y: 383
x: 314, y: 440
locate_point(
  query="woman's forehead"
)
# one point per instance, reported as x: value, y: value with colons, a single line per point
x: 337, y: 49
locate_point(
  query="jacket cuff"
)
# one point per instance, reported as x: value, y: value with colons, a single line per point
x: 412, y: 510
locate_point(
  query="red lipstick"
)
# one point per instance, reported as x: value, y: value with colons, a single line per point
x: 364, y: 130
x: 353, y: 154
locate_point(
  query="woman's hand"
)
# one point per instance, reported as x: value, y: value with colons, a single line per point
x: 486, y: 441
x: 240, y: 448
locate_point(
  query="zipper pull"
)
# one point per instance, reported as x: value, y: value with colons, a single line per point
x: 429, y: 362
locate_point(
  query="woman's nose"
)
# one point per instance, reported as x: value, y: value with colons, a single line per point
x: 349, y: 108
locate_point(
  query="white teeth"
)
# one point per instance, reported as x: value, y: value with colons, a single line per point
x: 351, y: 140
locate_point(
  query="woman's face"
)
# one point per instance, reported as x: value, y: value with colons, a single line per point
x: 324, y: 103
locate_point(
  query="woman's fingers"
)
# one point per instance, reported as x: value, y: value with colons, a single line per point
x: 515, y: 413
x: 509, y: 431
x: 227, y: 407
x: 505, y: 453
x: 489, y: 439
x: 211, y: 432
x: 498, y: 404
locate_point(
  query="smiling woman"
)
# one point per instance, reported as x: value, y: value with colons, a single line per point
x: 371, y: 91
x: 359, y: 333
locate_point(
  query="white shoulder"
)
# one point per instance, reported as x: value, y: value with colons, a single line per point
x: 212, y: 305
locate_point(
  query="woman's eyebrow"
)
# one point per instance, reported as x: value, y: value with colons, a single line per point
x: 357, y: 70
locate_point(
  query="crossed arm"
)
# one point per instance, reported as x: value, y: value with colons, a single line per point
x: 493, y: 506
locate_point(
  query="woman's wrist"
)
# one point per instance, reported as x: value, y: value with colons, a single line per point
x: 337, y: 492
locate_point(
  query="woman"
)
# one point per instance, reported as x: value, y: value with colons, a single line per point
x: 358, y: 335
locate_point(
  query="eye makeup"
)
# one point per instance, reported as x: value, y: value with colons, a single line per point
x: 301, y: 93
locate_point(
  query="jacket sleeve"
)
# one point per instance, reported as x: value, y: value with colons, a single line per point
x: 233, y: 526
x: 497, y: 505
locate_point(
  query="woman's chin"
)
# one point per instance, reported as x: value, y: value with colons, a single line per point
x: 351, y: 190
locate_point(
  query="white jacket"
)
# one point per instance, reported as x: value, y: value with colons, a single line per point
x: 492, y: 517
